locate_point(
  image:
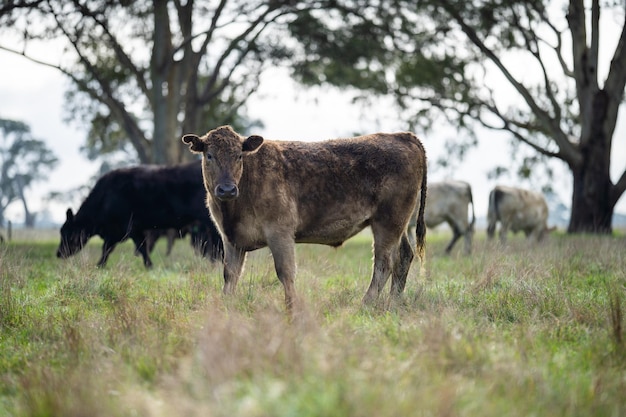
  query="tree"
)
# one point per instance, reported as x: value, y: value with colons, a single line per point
x: 145, y: 72
x: 467, y: 60
x: 23, y: 161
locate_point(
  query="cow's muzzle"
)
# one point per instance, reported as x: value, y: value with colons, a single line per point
x: 226, y: 192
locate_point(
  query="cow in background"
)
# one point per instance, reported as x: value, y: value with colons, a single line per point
x: 128, y: 202
x: 204, y: 239
x: 449, y: 201
x: 264, y: 193
x: 517, y: 209
x: 170, y: 235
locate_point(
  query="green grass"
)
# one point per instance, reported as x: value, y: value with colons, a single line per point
x: 519, y: 330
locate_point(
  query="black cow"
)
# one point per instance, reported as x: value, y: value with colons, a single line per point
x: 128, y: 202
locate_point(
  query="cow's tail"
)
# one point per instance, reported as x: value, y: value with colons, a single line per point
x: 420, y: 227
x: 471, y: 200
x: 492, y: 213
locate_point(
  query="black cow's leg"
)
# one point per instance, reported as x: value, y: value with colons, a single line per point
x: 402, y: 263
x: 107, y: 248
x: 234, y: 260
x: 142, y: 248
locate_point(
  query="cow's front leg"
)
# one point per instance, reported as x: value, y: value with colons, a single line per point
x: 383, y: 248
x: 234, y: 260
x: 283, y: 249
x: 107, y: 248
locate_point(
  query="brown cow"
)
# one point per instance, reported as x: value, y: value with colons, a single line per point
x: 517, y: 209
x: 276, y: 194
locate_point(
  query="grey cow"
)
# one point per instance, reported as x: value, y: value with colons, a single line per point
x: 517, y: 209
x: 449, y: 201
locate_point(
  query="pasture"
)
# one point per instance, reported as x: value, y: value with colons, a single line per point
x: 518, y: 331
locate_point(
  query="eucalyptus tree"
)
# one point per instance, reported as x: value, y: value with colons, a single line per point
x: 24, y: 160
x: 549, y: 74
x: 144, y: 72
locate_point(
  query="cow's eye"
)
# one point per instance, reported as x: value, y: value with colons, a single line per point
x: 208, y: 156
x: 240, y: 157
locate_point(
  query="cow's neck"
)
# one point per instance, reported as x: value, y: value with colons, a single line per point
x: 226, y: 215
x: 86, y: 223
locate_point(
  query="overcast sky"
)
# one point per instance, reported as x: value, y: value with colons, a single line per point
x: 34, y: 94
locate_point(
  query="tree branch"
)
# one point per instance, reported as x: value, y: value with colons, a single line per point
x: 115, y: 45
x: 135, y: 134
x: 568, y: 151
x: 618, y: 189
x: 616, y: 79
x: 233, y: 45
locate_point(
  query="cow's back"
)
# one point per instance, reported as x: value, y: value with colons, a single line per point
x: 327, y: 191
x: 517, y: 210
x: 147, y: 197
x: 521, y: 209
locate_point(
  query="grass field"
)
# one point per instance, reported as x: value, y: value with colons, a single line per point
x: 522, y: 330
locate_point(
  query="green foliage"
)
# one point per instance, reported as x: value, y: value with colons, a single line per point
x: 516, y: 330
x: 526, y: 69
x: 352, y: 55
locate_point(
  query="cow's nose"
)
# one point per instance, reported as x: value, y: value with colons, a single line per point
x: 226, y: 191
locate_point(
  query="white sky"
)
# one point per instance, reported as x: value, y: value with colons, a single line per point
x: 34, y: 94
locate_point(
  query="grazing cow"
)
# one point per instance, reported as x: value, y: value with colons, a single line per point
x: 151, y: 237
x: 517, y: 209
x: 273, y: 193
x: 449, y: 201
x: 202, y: 239
x: 129, y: 202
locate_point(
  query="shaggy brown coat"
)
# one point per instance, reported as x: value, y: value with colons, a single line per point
x: 275, y: 193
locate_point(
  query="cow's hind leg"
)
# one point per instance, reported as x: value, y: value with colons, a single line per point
x: 402, y: 262
x: 141, y: 247
x: 385, y: 244
x: 456, y: 234
x: 504, y: 230
x: 283, y: 249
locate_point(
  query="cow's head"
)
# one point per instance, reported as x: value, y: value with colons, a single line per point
x: 73, y: 237
x: 222, y: 152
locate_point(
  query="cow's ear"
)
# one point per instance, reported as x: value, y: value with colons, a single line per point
x: 69, y: 215
x: 252, y: 143
x: 196, y: 145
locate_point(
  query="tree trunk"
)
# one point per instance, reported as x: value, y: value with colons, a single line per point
x: 29, y: 218
x: 160, y: 65
x: 592, y: 209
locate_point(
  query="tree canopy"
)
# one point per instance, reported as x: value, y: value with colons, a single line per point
x: 531, y: 68
x: 145, y: 72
